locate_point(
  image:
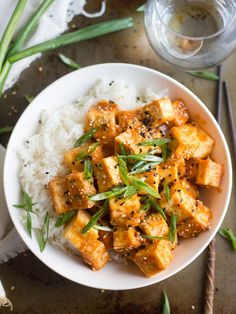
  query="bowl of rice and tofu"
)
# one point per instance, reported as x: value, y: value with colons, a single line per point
x: 118, y: 176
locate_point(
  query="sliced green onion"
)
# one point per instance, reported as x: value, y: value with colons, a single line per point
x: 164, y: 152
x: 44, y: 233
x: 29, y: 223
x: 151, y: 237
x: 67, y: 61
x: 145, y: 207
x: 148, y: 166
x: 144, y: 157
x: 24, y: 34
x: 88, y: 169
x: 172, y: 228
x: 10, y: 30
x: 89, y: 32
x: 165, y: 304
x: 103, y: 228
x: 6, y: 129
x: 122, y: 149
x: 87, y: 151
x: 155, y: 142
x: 27, y: 202
x: 109, y: 194
x: 29, y: 98
x: 96, y: 217
x: 142, y: 186
x: 157, y: 207
x: 205, y: 75
x: 65, y: 218
x: 228, y: 234
x: 166, y: 191
x: 141, y: 8
x: 123, y: 170
x: 130, y: 191
x: 85, y: 137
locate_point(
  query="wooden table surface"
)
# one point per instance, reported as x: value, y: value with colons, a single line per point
x: 34, y: 288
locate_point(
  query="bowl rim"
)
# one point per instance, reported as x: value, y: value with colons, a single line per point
x: 187, y: 91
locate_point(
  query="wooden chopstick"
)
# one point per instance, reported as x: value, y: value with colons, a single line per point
x: 211, y: 252
x: 230, y: 117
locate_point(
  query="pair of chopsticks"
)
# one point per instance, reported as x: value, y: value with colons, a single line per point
x: 222, y: 89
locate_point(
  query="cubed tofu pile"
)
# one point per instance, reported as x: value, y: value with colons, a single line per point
x: 162, y: 148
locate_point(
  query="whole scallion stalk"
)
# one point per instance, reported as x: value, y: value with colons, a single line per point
x: 89, y: 32
x: 10, y: 29
x: 20, y: 40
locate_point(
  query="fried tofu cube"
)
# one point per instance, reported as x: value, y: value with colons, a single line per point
x: 98, y: 155
x: 103, y: 117
x: 126, y: 239
x: 188, y: 187
x: 199, y: 222
x: 79, y: 190
x: 157, y: 112
x: 59, y: 193
x: 106, y: 237
x: 155, y: 225
x: 183, y: 205
x: 209, y: 173
x: 206, y: 144
x: 191, y: 169
x: 181, y: 112
x: 127, y: 118
x: 108, y: 175
x: 172, y: 170
x: 154, y: 258
x: 185, y: 141
x: 92, y: 250
x: 71, y: 155
x: 125, y: 212
x: 130, y: 139
x: 151, y: 178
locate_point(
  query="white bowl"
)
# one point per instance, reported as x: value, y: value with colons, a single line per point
x: 115, y: 276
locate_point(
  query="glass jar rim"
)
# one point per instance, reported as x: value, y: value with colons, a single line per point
x: 197, y: 37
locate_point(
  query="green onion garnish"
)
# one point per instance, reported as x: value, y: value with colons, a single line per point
x: 155, y: 142
x: 205, y: 75
x: 44, y: 233
x: 96, y: 217
x: 65, y: 218
x: 228, y: 234
x: 67, y: 61
x: 85, y: 137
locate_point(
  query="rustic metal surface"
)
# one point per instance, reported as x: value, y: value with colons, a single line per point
x: 32, y: 287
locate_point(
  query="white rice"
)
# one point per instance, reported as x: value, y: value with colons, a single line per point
x: 42, y: 153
